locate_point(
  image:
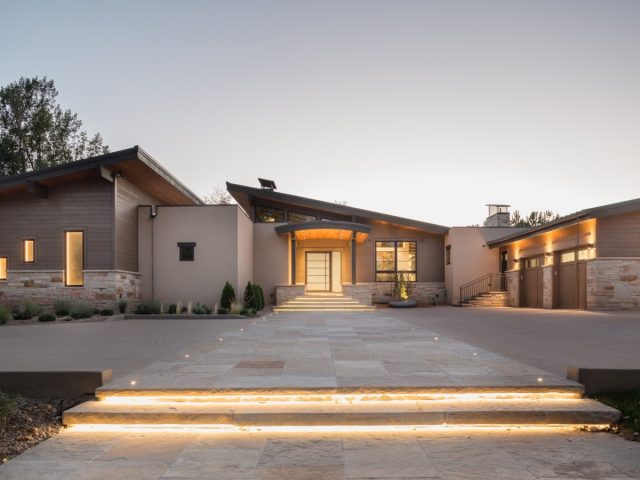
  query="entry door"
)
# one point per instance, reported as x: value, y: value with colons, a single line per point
x: 318, y: 271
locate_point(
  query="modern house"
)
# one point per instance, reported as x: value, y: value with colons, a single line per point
x: 120, y: 226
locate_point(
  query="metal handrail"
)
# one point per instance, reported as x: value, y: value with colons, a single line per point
x: 491, y: 282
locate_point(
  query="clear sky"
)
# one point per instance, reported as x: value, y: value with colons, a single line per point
x: 423, y: 109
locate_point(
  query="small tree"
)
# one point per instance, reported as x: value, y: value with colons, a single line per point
x: 228, y: 296
x: 249, y: 300
x: 402, y: 288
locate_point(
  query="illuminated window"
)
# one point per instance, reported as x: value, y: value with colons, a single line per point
x: 3, y: 268
x: 187, y: 252
x: 447, y: 255
x: 74, y: 259
x: 29, y: 250
x: 568, y: 257
x: 269, y: 215
x: 393, y: 257
x: 583, y: 254
x: 295, y: 217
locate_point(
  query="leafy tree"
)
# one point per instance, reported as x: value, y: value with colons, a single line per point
x: 35, y: 132
x: 534, y: 219
x: 219, y: 196
x: 228, y: 296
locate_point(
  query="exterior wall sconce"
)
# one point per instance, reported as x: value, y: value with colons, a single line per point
x: 590, y: 245
x: 516, y: 260
x: 548, y: 254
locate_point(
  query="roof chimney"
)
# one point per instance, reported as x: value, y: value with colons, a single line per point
x: 499, y: 216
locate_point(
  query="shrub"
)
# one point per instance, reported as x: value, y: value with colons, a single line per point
x: 82, y: 309
x: 62, y: 306
x: 236, y: 308
x: 8, y: 406
x: 148, y: 308
x: 259, y: 297
x: 26, y: 310
x: 5, y: 314
x: 184, y: 310
x: 106, y: 312
x: 96, y: 311
x: 228, y: 296
x: 173, y: 308
x: 47, y: 317
x: 201, y: 309
x: 248, y: 312
x: 223, y: 311
x: 249, y: 299
x: 122, y: 305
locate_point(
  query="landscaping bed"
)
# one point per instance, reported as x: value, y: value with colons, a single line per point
x: 27, y: 311
x: 25, y: 422
x: 628, y: 402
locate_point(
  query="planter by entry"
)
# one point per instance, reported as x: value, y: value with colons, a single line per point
x: 402, y: 303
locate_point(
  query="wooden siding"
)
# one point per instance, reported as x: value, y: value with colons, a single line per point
x: 128, y: 198
x: 84, y: 205
x: 619, y: 235
x: 430, y: 252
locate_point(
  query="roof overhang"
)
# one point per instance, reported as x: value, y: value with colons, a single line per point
x: 134, y: 164
x: 247, y: 196
x: 326, y: 229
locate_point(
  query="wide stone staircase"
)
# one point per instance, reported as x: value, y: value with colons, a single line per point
x: 323, y: 301
x: 488, y: 299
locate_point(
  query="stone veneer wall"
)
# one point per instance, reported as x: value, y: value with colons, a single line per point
x: 284, y: 293
x: 613, y: 284
x: 547, y: 286
x: 102, y: 288
x: 360, y: 291
x: 423, y: 292
x: 513, y: 288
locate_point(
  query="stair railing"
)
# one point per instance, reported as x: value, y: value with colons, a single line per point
x: 491, y: 282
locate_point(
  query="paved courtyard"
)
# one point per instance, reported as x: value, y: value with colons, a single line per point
x: 452, y: 455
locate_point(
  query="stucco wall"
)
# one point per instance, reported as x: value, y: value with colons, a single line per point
x: 215, y: 230
x: 245, y: 251
x: 470, y: 256
x: 271, y: 259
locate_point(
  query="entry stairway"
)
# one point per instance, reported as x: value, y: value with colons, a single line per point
x: 341, y: 409
x: 488, y: 299
x: 323, y: 302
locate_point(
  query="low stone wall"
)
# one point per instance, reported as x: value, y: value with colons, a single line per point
x: 360, y: 291
x: 425, y: 293
x: 103, y: 288
x: 613, y: 284
x: 284, y: 293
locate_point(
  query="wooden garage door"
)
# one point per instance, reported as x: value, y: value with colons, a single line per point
x: 531, y: 282
x: 572, y: 279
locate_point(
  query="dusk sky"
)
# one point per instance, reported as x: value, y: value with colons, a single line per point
x: 423, y: 109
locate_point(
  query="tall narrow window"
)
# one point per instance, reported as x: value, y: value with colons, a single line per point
x: 447, y: 255
x: 3, y: 268
x: 29, y: 250
x: 74, y: 259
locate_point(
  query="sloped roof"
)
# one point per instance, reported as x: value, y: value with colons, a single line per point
x: 246, y: 196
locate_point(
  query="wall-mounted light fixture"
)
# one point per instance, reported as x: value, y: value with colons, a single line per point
x: 516, y: 260
x: 590, y: 245
x: 548, y: 254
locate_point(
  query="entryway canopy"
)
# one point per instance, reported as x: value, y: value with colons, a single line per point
x: 327, y: 229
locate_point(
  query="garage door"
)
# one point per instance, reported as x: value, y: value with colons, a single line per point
x: 531, y: 282
x: 572, y: 279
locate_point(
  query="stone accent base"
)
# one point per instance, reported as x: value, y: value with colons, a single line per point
x: 284, y: 293
x: 547, y: 286
x: 359, y: 291
x: 613, y: 284
x: 513, y: 288
x: 426, y: 293
x: 102, y: 288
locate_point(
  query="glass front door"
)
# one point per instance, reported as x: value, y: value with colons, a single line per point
x: 318, y: 271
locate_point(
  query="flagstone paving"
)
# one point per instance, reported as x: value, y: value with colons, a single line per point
x: 338, y: 351
x: 455, y: 455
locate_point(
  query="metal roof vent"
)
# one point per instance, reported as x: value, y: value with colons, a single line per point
x: 268, y: 184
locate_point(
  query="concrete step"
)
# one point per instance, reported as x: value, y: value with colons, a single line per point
x: 322, y: 302
x: 363, y: 413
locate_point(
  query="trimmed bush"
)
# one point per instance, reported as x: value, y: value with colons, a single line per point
x: 106, y: 312
x: 228, y: 296
x: 122, y: 305
x: 259, y: 297
x: 82, y: 309
x: 148, y: 308
x: 173, y: 309
x: 223, y: 311
x: 62, y: 306
x: 184, y: 310
x: 249, y: 299
x: 200, y: 309
x: 47, y: 317
x: 26, y: 310
x: 5, y: 314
